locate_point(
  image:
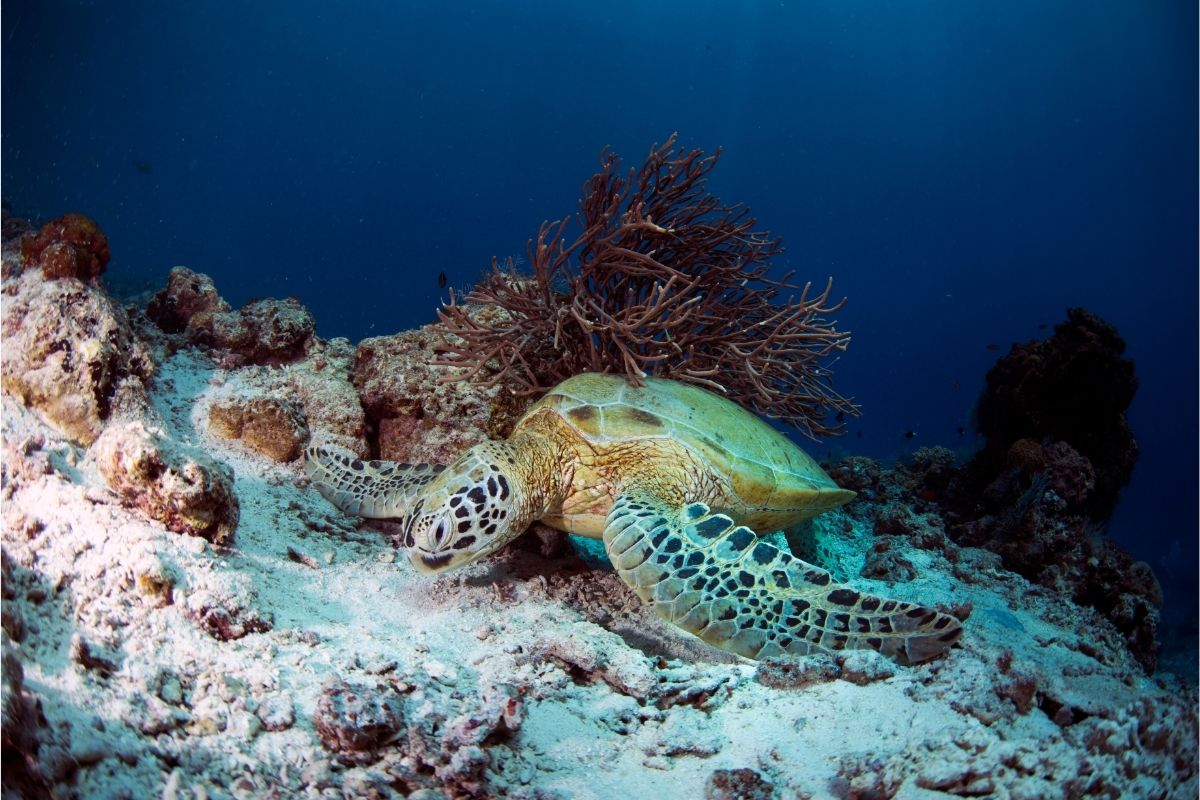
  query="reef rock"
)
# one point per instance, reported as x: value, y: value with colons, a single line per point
x: 418, y: 412
x: 268, y: 331
x: 273, y: 426
x: 311, y: 661
x: 187, y: 294
x: 71, y: 246
x: 1074, y: 387
x: 185, y: 490
x: 70, y: 354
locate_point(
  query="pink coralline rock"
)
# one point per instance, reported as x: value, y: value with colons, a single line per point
x: 886, y: 563
x: 185, y: 490
x: 70, y: 354
x: 269, y: 331
x: 356, y: 720
x: 417, y: 415
x: 737, y: 784
x: 187, y: 294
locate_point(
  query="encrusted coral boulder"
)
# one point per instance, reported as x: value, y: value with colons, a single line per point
x: 1074, y: 387
x: 418, y: 414
x: 185, y: 490
x: 321, y: 385
x: 268, y: 331
x: 187, y: 294
x: 71, y: 246
x: 273, y: 426
x: 70, y: 354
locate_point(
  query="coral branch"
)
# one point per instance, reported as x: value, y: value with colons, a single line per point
x: 663, y: 280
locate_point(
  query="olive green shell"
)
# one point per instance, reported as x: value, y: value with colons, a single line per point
x: 764, y: 468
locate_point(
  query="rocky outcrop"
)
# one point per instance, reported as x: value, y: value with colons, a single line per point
x: 268, y: 331
x: 70, y: 354
x: 183, y: 489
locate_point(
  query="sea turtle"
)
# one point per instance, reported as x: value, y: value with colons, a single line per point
x: 675, y: 480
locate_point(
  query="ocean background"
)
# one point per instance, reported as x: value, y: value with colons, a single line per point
x: 964, y: 171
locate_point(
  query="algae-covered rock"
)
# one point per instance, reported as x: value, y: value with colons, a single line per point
x: 70, y: 354
x: 418, y: 414
x: 186, y: 491
x: 273, y: 426
x: 72, y: 246
x: 268, y: 331
x: 187, y: 294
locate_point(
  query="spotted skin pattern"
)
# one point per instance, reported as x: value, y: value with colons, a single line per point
x: 371, y: 489
x: 675, y: 480
x: 449, y: 516
x: 717, y: 580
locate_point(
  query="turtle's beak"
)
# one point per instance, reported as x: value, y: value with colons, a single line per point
x: 430, y: 563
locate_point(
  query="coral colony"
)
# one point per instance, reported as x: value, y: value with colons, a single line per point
x: 662, y: 279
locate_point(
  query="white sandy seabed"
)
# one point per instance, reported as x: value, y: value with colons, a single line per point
x: 523, y: 677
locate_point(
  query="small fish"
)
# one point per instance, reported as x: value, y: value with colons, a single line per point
x: 858, y: 435
x: 954, y: 383
x: 441, y: 280
x: 841, y: 416
x: 1042, y: 326
x: 992, y: 347
x: 143, y: 167
x: 961, y: 430
x: 910, y: 434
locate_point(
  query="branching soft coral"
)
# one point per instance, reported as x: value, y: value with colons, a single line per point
x: 663, y: 280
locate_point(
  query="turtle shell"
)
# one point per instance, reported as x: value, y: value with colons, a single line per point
x: 765, y: 470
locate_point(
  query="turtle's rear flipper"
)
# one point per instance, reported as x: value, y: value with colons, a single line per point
x: 372, y: 489
x: 717, y: 580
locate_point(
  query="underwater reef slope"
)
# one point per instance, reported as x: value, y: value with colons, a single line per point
x: 184, y: 616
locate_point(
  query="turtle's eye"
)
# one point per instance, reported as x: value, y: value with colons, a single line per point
x: 439, y: 533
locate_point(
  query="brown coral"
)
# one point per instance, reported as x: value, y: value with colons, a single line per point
x: 71, y: 246
x: 664, y: 280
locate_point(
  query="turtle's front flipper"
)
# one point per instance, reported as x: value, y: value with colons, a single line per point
x: 715, y: 579
x: 373, y: 489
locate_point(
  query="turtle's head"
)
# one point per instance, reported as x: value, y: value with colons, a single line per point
x: 474, y: 507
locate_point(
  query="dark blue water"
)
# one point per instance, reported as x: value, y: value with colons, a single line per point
x: 965, y: 171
